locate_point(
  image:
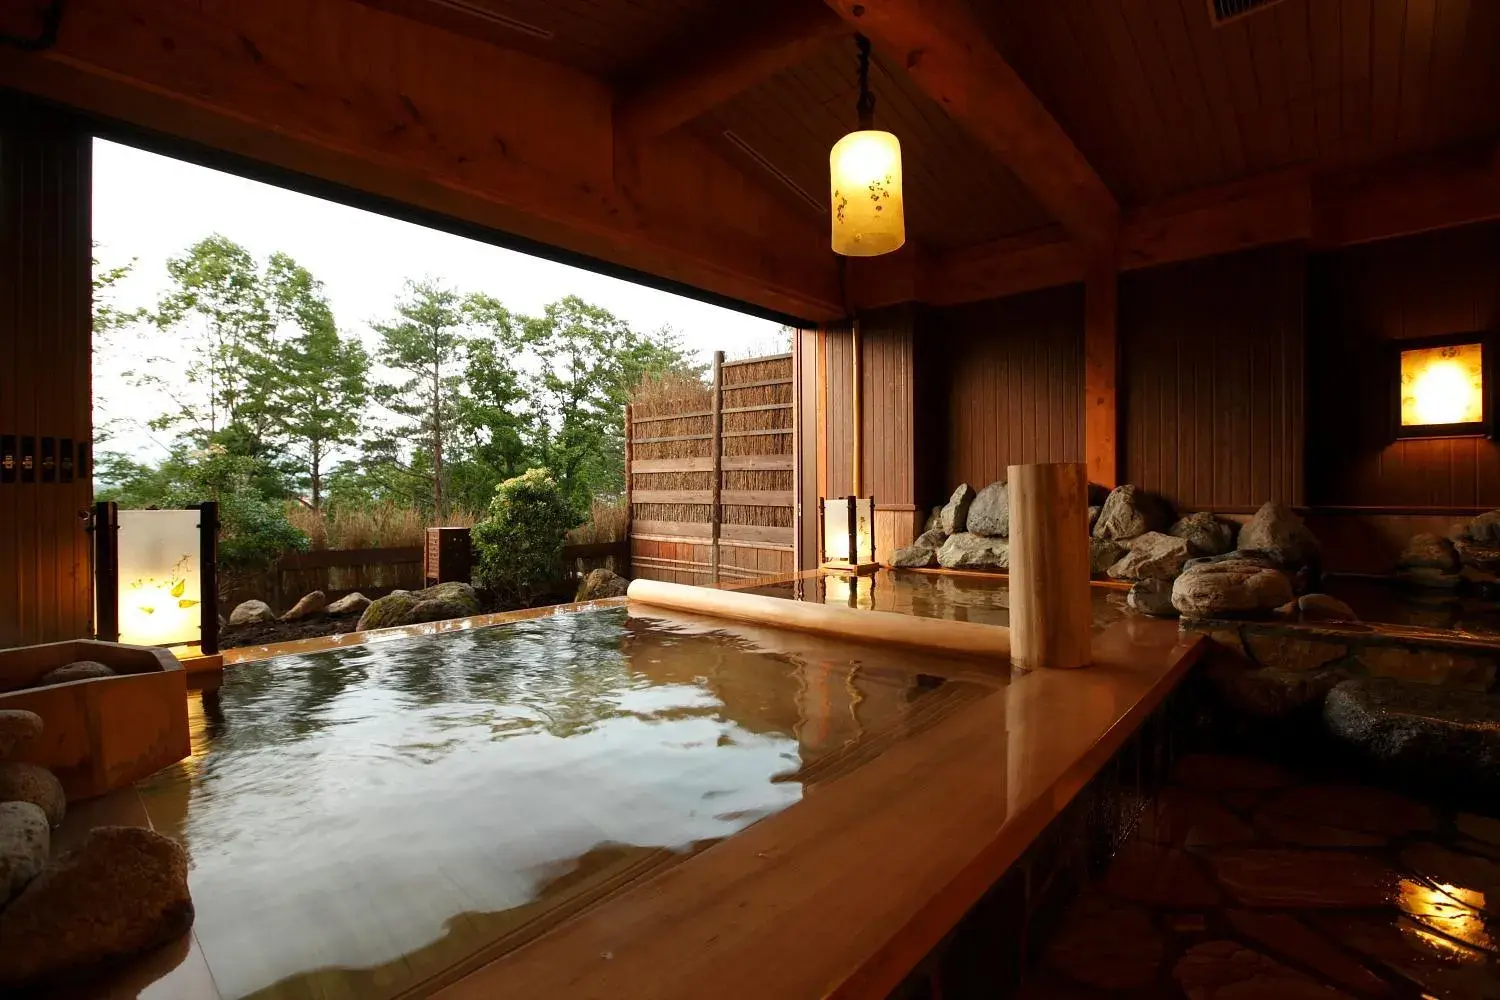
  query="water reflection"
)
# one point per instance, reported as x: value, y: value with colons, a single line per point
x: 363, y: 819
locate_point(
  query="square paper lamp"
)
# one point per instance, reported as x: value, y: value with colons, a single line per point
x: 848, y: 534
x: 155, y: 578
x: 1442, y: 388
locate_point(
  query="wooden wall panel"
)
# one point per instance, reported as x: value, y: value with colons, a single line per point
x: 807, y: 445
x: 45, y: 391
x: 840, y: 409
x: 888, y: 390
x: 1010, y: 373
x: 1360, y: 299
x: 1212, y: 379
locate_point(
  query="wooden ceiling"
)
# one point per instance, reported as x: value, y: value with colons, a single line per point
x: 1159, y: 100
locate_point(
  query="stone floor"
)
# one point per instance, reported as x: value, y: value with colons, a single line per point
x: 1244, y: 881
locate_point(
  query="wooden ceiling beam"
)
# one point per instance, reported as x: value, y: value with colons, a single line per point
x: 376, y: 103
x: 1404, y: 199
x: 943, y: 49
x: 733, y: 59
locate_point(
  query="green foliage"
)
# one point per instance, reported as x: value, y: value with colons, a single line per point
x: 251, y: 506
x: 519, y: 542
x: 107, y: 316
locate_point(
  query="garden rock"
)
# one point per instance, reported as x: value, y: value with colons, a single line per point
x: 1094, y: 512
x: 934, y: 520
x: 348, y: 604
x: 1229, y: 587
x: 1420, y: 731
x: 17, y: 728
x: 967, y: 551
x: 25, y: 841
x: 1205, y: 534
x: 78, y: 670
x: 1485, y: 529
x: 1477, y: 555
x: 311, y: 604
x: 989, y: 514
x: 393, y: 609
x: 954, y: 517
x: 121, y: 892
x: 250, y: 612
x: 1430, y: 576
x: 1129, y: 512
x: 1104, y: 553
x: 1237, y: 556
x: 1151, y: 556
x: 1280, y: 534
x: 1426, y: 551
x: 35, y: 784
x: 914, y: 557
x: 1323, y: 608
x: 1152, y: 597
x: 602, y: 583
x: 444, y: 601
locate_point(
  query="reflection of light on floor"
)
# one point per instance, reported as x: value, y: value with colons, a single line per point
x: 1438, y: 911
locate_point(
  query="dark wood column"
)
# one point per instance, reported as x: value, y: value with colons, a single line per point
x: 45, y: 373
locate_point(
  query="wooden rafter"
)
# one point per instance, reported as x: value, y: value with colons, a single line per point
x: 710, y: 71
x: 943, y: 49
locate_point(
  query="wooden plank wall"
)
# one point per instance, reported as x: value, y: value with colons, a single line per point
x: 1009, y: 375
x: 45, y: 374
x: 1360, y: 299
x: 673, y: 514
x: 1212, y: 379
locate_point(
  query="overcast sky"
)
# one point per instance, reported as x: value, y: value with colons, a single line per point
x: 149, y: 208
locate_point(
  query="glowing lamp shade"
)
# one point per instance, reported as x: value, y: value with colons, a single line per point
x: 848, y: 534
x: 154, y: 579
x: 865, y: 176
x: 1442, y: 390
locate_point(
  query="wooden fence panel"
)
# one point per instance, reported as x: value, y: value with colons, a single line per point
x: 711, y: 477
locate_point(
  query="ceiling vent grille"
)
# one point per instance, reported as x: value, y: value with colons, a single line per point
x: 773, y: 170
x: 1225, y: 11
x: 493, y: 17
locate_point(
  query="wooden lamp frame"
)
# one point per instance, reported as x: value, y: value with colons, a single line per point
x: 852, y: 565
x: 1484, y: 426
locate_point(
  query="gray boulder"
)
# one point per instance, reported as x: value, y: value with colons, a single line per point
x: 1130, y: 512
x: 1421, y: 732
x: 1229, y: 587
x: 1152, y: 597
x: 1104, y: 553
x: 120, y: 892
x: 18, y: 727
x: 250, y: 612
x: 78, y: 670
x: 954, y: 517
x: 1278, y: 532
x: 439, y: 603
x: 1237, y: 556
x: 601, y: 583
x: 1485, y: 529
x: 35, y: 784
x: 349, y: 603
x: 989, y: 514
x: 1151, y: 556
x: 1478, y: 555
x: 311, y: 604
x: 934, y: 520
x: 914, y: 557
x: 1094, y: 511
x: 966, y: 551
x: 389, y: 611
x: 1426, y: 551
x: 1322, y: 607
x: 1205, y: 534
x: 25, y: 841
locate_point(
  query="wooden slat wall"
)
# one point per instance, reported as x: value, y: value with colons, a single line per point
x: 807, y: 443
x: 1212, y: 379
x: 840, y: 412
x: 887, y: 377
x: 1011, y: 372
x: 45, y: 390
x: 1361, y: 298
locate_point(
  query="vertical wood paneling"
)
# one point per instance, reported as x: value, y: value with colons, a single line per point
x: 839, y: 459
x: 807, y: 444
x: 45, y: 391
x: 1360, y: 299
x: 1011, y: 372
x: 1212, y: 359
x: 888, y: 376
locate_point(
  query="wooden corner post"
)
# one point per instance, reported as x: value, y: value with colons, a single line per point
x: 1050, y: 617
x: 717, y: 445
x: 1101, y: 363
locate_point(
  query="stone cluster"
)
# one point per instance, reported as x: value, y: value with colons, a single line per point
x: 1468, y: 557
x: 120, y: 892
x: 309, y: 606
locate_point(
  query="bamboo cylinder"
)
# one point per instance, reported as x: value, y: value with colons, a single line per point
x: 931, y: 634
x: 1050, y: 616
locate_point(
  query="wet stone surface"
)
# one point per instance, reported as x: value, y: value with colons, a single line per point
x: 1243, y: 880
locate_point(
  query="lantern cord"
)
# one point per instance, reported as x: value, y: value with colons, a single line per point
x: 866, y: 105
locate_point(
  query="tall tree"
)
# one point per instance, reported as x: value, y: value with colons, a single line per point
x: 321, y: 383
x: 216, y: 290
x: 590, y: 360
x: 426, y: 343
x: 497, y: 422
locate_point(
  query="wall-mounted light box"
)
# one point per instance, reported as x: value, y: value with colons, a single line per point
x: 848, y: 534
x: 155, y: 581
x: 1443, y: 385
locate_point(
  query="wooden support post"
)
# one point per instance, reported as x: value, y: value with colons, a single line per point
x: 1101, y: 373
x: 822, y: 418
x: 717, y: 444
x: 857, y: 397
x: 629, y: 483
x: 1050, y: 619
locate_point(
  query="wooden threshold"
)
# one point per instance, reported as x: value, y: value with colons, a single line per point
x: 843, y: 894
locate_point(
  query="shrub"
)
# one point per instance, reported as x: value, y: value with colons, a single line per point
x: 519, y: 542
